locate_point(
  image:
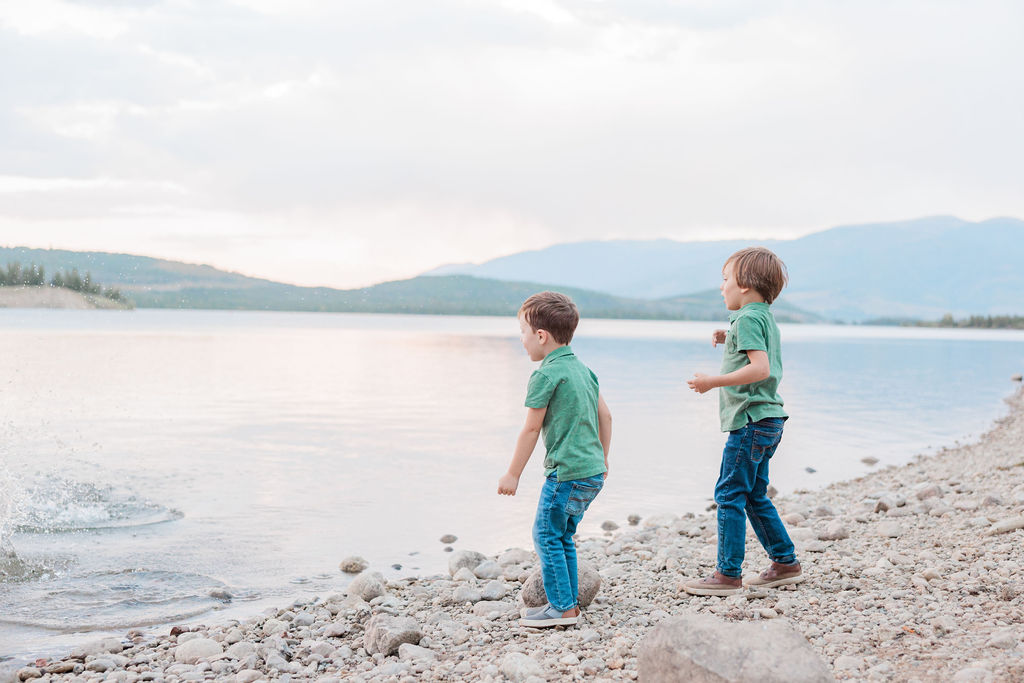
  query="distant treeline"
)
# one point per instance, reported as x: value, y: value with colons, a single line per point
x: 16, y: 275
x: 990, y: 322
x: 995, y: 322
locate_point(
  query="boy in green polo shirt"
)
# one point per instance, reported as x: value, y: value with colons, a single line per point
x: 751, y: 411
x: 563, y: 402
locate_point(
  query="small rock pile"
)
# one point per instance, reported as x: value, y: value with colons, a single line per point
x: 914, y: 574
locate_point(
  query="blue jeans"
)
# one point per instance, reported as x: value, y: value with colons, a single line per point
x: 741, y: 493
x: 560, y: 509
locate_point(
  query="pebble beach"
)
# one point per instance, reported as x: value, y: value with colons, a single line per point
x: 913, y: 575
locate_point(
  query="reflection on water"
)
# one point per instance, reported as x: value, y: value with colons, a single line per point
x: 289, y: 441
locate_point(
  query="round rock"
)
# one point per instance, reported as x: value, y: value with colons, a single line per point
x: 353, y: 564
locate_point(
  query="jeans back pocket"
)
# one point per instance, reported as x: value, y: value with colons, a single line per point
x: 764, y: 442
x: 580, y: 497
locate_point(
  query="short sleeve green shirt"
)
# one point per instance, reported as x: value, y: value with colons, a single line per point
x: 752, y: 328
x: 569, y: 390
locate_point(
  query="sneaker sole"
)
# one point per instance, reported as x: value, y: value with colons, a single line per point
x: 778, y: 582
x: 525, y: 611
x: 546, y: 623
x: 716, y: 592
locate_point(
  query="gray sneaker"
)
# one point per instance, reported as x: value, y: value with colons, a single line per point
x: 527, y: 611
x: 547, y: 616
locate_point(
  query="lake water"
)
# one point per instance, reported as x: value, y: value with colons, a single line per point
x: 154, y: 462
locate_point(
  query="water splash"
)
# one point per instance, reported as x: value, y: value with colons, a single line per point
x: 55, y: 504
x: 12, y: 504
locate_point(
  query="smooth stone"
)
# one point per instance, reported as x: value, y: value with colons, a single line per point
x: 470, y: 559
x: 466, y: 594
x: 272, y: 627
x: 485, y: 608
x: 97, y: 647
x: 889, y: 529
x: 494, y: 590
x: 248, y: 676
x: 835, y: 531
x: 28, y: 673
x: 869, y: 460
x: 518, y: 667
x: 488, y: 569
x: 1005, y: 526
x: 705, y: 649
x: 367, y: 586
x: 1004, y: 639
x: 634, y: 519
x: 848, y: 663
x: 408, y: 652
x: 337, y: 630
x: 448, y: 539
x: 609, y: 525
x: 973, y: 674
x: 241, y: 650
x: 353, y: 564
x: 194, y: 650
x: 464, y: 574
x: 924, y: 491
x: 385, y: 633
x: 514, y: 556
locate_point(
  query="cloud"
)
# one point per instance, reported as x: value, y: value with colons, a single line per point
x: 456, y: 130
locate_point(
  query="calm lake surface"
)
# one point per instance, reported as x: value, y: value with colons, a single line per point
x: 153, y: 463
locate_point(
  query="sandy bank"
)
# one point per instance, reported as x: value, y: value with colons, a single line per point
x: 914, y: 575
x: 53, y: 297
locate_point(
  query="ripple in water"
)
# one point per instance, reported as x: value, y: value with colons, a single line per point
x: 54, y: 505
x: 112, y: 600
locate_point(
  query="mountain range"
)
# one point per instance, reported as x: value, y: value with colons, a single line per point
x: 920, y: 269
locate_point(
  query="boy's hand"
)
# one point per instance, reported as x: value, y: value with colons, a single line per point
x: 717, y: 337
x: 700, y: 382
x: 508, y: 484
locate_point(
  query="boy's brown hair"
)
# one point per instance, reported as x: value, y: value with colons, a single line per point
x: 761, y: 270
x: 553, y: 312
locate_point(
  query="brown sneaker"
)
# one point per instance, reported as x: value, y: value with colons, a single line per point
x: 716, y: 584
x: 776, y: 575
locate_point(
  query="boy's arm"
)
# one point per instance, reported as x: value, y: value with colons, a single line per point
x: 527, y: 441
x: 604, y: 429
x: 757, y: 370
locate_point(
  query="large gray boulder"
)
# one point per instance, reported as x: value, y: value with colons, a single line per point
x: 700, y: 648
x: 470, y: 559
x: 385, y: 633
x: 589, y: 583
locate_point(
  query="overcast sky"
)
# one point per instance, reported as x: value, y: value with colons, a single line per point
x: 346, y: 142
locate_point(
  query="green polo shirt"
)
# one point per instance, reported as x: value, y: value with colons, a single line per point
x: 752, y: 328
x: 568, y: 389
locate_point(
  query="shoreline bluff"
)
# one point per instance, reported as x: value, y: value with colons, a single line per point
x: 55, y: 297
x: 913, y: 574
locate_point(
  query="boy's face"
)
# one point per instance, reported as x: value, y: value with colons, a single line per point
x: 731, y: 291
x: 532, y: 339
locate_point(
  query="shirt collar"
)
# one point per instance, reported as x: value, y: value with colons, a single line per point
x: 751, y: 306
x: 556, y: 354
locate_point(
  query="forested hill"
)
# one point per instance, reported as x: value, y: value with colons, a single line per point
x: 158, y: 283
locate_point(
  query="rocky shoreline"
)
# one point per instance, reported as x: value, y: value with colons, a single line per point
x: 914, y: 574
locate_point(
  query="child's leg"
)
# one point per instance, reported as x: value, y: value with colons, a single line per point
x: 764, y: 518
x: 549, y: 528
x: 735, y: 480
x: 581, y: 495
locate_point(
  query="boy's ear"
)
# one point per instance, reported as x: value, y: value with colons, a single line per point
x: 543, y: 336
